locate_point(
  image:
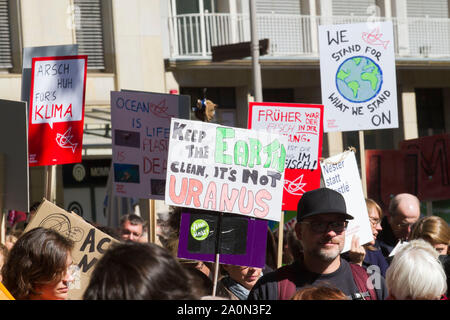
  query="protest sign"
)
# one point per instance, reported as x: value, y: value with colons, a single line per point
x: 141, y: 124
x: 302, y: 124
x: 56, y: 114
x: 44, y: 51
x: 242, y: 240
x: 357, y: 70
x: 225, y: 169
x: 15, y: 187
x: 90, y: 243
x: 340, y: 173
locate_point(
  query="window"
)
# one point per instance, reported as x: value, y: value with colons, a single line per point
x: 353, y: 7
x: 278, y: 95
x: 10, y: 49
x: 430, y: 111
x: 94, y: 32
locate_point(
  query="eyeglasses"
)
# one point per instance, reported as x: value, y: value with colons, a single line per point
x: 321, y: 227
x: 404, y: 225
x: 374, y: 222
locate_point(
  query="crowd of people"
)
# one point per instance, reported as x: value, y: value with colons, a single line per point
x: 407, y: 259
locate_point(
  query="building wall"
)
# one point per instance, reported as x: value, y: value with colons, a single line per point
x: 137, y: 57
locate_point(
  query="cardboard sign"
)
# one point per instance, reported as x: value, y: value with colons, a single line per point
x: 225, y: 169
x: 141, y: 124
x: 243, y: 239
x: 302, y: 124
x: 56, y: 114
x: 13, y: 123
x: 357, y: 70
x: 340, y: 173
x: 90, y: 243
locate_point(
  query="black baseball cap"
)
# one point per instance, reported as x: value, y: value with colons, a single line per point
x: 320, y: 201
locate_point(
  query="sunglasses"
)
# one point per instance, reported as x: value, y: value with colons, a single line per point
x: 321, y: 227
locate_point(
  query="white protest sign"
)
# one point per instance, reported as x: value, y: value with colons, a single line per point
x: 213, y: 167
x: 340, y: 173
x: 58, y: 90
x: 141, y: 124
x: 357, y: 70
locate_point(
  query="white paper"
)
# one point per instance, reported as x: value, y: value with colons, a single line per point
x: 357, y: 70
x: 340, y: 173
x: 219, y: 168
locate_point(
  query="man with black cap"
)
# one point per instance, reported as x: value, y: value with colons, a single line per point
x: 322, y: 219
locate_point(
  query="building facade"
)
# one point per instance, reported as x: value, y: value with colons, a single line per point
x: 165, y: 46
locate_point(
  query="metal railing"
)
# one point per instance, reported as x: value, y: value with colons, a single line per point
x: 193, y: 35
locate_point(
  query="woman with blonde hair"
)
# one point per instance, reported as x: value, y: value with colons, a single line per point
x: 435, y: 231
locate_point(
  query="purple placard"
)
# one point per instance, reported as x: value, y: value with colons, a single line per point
x: 255, y: 251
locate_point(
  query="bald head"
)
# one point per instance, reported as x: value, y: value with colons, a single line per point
x: 404, y: 211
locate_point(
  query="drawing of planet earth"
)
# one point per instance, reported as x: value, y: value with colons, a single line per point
x: 359, y: 79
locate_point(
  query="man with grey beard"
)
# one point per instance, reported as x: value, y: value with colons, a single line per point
x: 322, y: 219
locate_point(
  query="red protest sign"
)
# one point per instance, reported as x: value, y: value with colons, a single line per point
x: 303, y: 125
x: 56, y: 112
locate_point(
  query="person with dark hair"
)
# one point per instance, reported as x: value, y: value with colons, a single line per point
x: 3, y: 256
x: 39, y: 266
x: 203, y: 285
x: 131, y: 227
x: 139, y: 271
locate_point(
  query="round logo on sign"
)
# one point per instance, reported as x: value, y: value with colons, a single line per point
x: 359, y: 79
x: 199, y: 229
x: 78, y: 172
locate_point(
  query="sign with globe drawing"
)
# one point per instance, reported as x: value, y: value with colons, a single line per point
x: 357, y: 69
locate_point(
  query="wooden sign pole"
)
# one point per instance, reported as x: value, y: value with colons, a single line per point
x: 217, y: 260
x: 152, y: 221
x: 280, y: 240
x: 363, y: 162
x: 48, y: 194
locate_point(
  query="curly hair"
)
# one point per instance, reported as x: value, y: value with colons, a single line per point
x: 139, y: 271
x: 38, y: 257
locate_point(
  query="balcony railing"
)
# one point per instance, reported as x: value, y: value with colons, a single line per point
x: 192, y: 35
